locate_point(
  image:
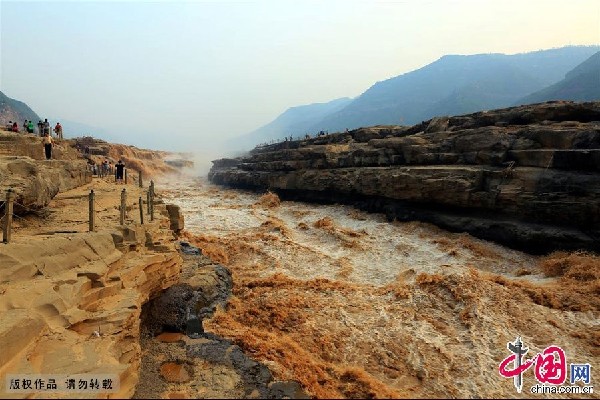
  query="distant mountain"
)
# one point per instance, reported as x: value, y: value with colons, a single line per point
x: 15, y: 110
x: 456, y: 84
x: 580, y: 84
x: 295, y: 121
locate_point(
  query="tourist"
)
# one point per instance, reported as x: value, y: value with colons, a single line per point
x: 25, y: 125
x: 15, y: 127
x: 30, y: 127
x: 46, y: 126
x: 9, y: 126
x: 120, y: 167
x: 40, y: 126
x: 47, y: 141
x: 58, y: 131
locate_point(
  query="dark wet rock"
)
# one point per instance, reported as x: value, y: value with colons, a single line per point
x: 526, y: 176
x: 287, y: 389
x: 188, y: 249
x: 169, y: 311
x: 255, y: 377
x: 182, y: 307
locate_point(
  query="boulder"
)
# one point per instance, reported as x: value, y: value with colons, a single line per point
x: 175, y: 218
x: 35, y: 182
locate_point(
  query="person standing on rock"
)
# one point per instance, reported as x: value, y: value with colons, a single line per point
x: 58, y: 130
x: 30, y: 128
x: 47, y: 141
x: 119, y: 168
x: 46, y: 126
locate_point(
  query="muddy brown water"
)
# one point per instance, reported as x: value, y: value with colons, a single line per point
x: 350, y: 305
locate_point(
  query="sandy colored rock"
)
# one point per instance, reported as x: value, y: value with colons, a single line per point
x: 170, y: 337
x: 175, y: 218
x: 70, y: 299
x: 174, y: 372
x: 36, y: 183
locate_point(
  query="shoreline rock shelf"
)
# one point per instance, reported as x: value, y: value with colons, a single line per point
x: 71, y: 300
x: 527, y: 177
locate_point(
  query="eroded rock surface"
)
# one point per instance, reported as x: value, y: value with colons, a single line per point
x: 35, y: 183
x: 181, y: 359
x: 527, y: 176
x: 72, y: 305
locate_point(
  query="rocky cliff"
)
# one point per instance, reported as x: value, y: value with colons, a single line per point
x: 527, y: 177
x: 71, y: 300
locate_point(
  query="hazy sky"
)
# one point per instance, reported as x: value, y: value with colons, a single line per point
x: 187, y: 73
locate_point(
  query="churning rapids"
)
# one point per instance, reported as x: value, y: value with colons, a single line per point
x: 350, y: 305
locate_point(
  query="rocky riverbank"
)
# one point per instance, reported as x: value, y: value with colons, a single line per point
x: 71, y: 300
x: 526, y: 177
x: 126, y: 300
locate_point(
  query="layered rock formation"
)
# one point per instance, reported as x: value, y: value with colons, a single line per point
x: 528, y: 176
x: 71, y: 300
x: 72, y: 305
x: 36, y: 183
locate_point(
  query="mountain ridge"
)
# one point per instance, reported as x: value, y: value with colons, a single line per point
x: 15, y: 111
x: 452, y: 85
x: 582, y: 83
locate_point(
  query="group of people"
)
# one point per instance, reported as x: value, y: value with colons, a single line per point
x: 103, y: 169
x: 43, y: 128
x: 12, y: 127
x: 106, y: 168
x: 291, y: 138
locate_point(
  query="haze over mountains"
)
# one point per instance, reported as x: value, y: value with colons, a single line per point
x: 580, y: 84
x: 452, y: 85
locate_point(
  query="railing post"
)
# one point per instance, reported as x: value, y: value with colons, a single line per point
x: 8, y: 216
x: 151, y: 200
x: 125, y: 175
x: 92, y: 213
x: 140, y: 184
x: 148, y: 201
x: 141, y: 211
x: 123, y: 206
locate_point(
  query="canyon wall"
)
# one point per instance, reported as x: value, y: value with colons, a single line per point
x: 71, y: 300
x: 71, y: 305
x: 527, y: 176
